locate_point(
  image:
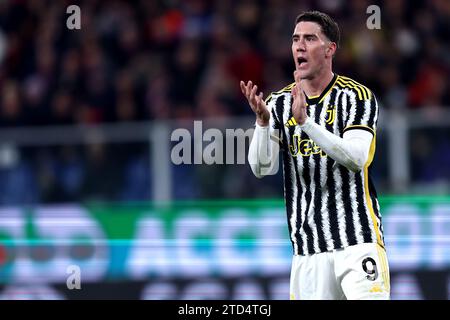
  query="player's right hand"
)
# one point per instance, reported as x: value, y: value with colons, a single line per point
x: 299, y: 101
x: 256, y: 103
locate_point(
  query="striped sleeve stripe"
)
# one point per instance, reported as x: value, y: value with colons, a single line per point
x: 351, y: 106
x: 372, y: 121
x: 285, y: 89
x: 274, y: 120
x: 367, y: 92
x: 273, y: 94
x: 341, y: 100
x: 352, y: 86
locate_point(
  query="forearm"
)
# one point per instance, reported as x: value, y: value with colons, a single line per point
x: 263, y: 152
x: 351, y: 151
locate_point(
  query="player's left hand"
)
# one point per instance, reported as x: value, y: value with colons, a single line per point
x: 299, y: 103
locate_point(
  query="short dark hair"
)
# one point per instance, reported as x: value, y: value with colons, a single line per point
x: 329, y: 27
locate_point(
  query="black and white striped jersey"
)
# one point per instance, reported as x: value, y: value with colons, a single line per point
x: 328, y: 206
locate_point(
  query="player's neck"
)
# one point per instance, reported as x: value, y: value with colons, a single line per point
x: 315, y: 86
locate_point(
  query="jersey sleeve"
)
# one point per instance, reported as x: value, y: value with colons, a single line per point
x: 362, y: 111
x: 265, y: 144
x: 275, y: 121
x: 271, y: 106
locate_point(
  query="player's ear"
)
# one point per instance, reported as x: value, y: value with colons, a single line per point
x: 331, y: 49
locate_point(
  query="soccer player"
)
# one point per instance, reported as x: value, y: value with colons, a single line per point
x: 326, y: 126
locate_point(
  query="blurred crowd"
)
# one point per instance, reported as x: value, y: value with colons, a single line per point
x: 147, y: 60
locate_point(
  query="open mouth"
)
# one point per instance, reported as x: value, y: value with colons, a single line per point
x: 301, y: 61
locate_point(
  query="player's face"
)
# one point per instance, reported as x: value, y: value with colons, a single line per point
x: 310, y: 49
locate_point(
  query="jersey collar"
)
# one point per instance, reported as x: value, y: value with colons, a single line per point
x: 317, y: 99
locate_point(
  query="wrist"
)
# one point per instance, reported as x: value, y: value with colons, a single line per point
x: 305, y: 123
x: 262, y: 123
x: 302, y: 121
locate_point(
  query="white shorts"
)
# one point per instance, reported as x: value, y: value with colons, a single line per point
x: 353, y: 273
